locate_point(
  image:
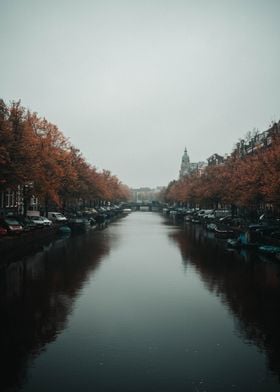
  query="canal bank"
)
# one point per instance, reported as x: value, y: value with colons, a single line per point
x: 142, y: 305
x: 17, y: 246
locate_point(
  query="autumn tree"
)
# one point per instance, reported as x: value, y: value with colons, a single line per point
x: 35, y: 155
x: 270, y: 162
x: 5, y: 143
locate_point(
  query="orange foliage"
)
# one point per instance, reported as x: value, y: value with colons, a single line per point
x: 34, y: 150
x: 246, y: 182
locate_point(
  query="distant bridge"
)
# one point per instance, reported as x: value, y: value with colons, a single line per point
x: 149, y: 206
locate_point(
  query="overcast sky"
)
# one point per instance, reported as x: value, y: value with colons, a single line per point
x: 131, y: 83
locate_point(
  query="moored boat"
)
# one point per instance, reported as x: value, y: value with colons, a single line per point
x: 270, y: 250
x: 79, y: 224
x: 242, y: 241
x: 65, y: 230
x: 224, y: 233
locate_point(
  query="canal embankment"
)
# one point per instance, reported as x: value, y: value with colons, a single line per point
x: 143, y: 305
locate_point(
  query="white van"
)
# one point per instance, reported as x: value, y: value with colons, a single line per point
x: 56, y: 217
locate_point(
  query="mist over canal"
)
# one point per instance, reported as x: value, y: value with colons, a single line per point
x: 143, y: 305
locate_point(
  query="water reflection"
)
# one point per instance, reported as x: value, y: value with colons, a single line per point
x: 249, y: 288
x: 140, y: 323
x: 37, y: 297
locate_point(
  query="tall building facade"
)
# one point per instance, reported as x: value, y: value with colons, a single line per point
x: 187, y: 167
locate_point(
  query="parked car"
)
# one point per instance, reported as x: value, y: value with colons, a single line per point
x: 11, y: 225
x: 26, y: 223
x: 41, y: 221
x: 47, y: 222
x: 57, y: 217
x: 3, y: 231
x: 36, y: 220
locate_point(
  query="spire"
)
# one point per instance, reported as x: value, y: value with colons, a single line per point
x: 185, y: 157
x: 185, y: 164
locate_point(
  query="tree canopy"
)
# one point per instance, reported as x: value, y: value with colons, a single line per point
x: 33, y: 150
x: 248, y: 181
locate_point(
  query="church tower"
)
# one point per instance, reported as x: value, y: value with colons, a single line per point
x: 185, y: 165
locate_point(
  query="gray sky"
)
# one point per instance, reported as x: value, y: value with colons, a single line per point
x: 131, y: 83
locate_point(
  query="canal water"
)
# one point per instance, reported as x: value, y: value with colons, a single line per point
x: 143, y: 305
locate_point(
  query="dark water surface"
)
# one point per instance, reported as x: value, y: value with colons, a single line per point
x: 143, y: 305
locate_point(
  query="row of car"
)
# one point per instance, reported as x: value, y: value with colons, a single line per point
x: 196, y: 215
x: 239, y: 231
x: 12, y: 225
x: 97, y: 215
